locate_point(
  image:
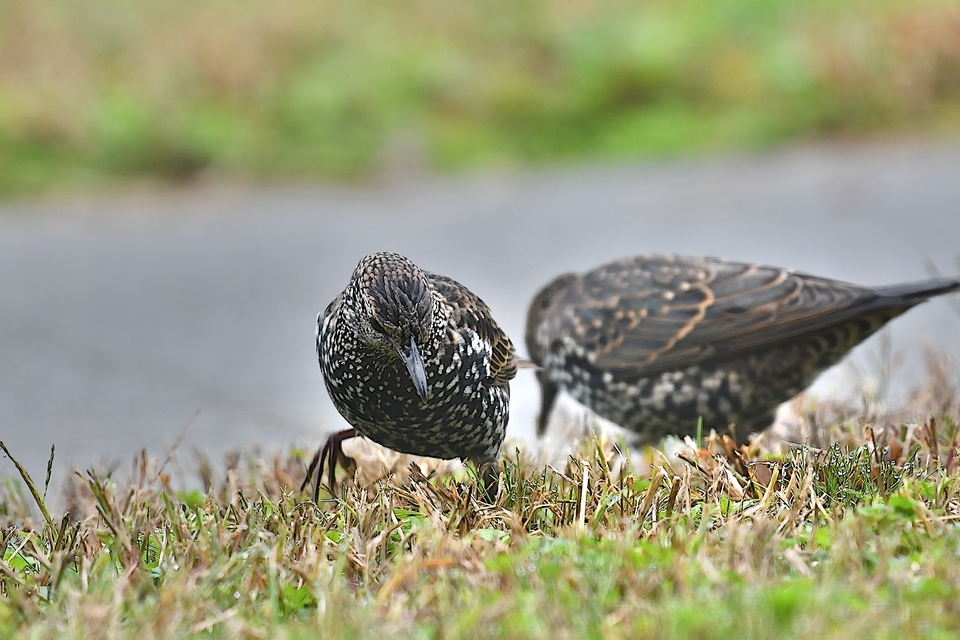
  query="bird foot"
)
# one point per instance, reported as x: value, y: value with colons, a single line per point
x: 329, y: 455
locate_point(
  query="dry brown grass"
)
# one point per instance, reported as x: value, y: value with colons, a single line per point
x: 856, y: 538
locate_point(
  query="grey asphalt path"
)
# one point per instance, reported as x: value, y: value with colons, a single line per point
x: 125, y: 321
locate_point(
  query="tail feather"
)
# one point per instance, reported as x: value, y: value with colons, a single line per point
x: 912, y: 293
x: 523, y: 363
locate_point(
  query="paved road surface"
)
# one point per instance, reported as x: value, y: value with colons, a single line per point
x: 121, y: 319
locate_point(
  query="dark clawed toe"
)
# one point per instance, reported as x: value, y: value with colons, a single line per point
x: 347, y: 463
x: 327, y: 457
x: 310, y: 469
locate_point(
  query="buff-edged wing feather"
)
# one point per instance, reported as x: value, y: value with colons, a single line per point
x: 470, y: 311
x: 649, y: 314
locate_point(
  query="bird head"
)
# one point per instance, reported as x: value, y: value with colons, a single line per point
x: 399, y: 308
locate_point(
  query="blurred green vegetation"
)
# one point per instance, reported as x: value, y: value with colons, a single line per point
x: 103, y: 89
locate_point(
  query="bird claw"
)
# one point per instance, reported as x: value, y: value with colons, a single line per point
x: 347, y: 463
x: 329, y: 455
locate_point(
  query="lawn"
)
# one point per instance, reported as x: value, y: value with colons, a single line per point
x: 858, y: 539
x: 107, y: 92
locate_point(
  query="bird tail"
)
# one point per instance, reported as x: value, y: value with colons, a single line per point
x: 522, y: 363
x: 912, y: 293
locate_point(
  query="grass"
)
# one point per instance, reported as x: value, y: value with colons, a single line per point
x: 101, y: 92
x: 857, y: 539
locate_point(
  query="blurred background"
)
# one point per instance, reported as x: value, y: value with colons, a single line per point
x: 184, y: 186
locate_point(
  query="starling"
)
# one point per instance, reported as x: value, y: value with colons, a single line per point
x: 656, y: 342
x: 415, y: 362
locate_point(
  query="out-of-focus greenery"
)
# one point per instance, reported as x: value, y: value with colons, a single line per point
x: 255, y: 89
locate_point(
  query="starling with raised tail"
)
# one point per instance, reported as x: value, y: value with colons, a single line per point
x: 655, y: 343
x: 415, y: 362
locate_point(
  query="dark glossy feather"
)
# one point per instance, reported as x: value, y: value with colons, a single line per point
x: 649, y: 314
x: 468, y: 310
x: 416, y: 362
x: 690, y: 318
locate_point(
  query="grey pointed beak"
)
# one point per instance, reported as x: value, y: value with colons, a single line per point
x: 414, y: 361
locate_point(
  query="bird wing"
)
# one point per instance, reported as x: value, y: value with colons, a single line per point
x: 329, y: 311
x: 647, y: 314
x: 470, y: 311
x: 332, y: 306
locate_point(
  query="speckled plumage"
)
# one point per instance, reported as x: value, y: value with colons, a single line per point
x: 364, y: 348
x: 654, y: 342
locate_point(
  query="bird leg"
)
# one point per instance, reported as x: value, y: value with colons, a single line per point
x: 548, y: 395
x: 489, y: 475
x: 330, y: 454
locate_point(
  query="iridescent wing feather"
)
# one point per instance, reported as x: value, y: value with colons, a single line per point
x: 470, y: 311
x: 648, y: 314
